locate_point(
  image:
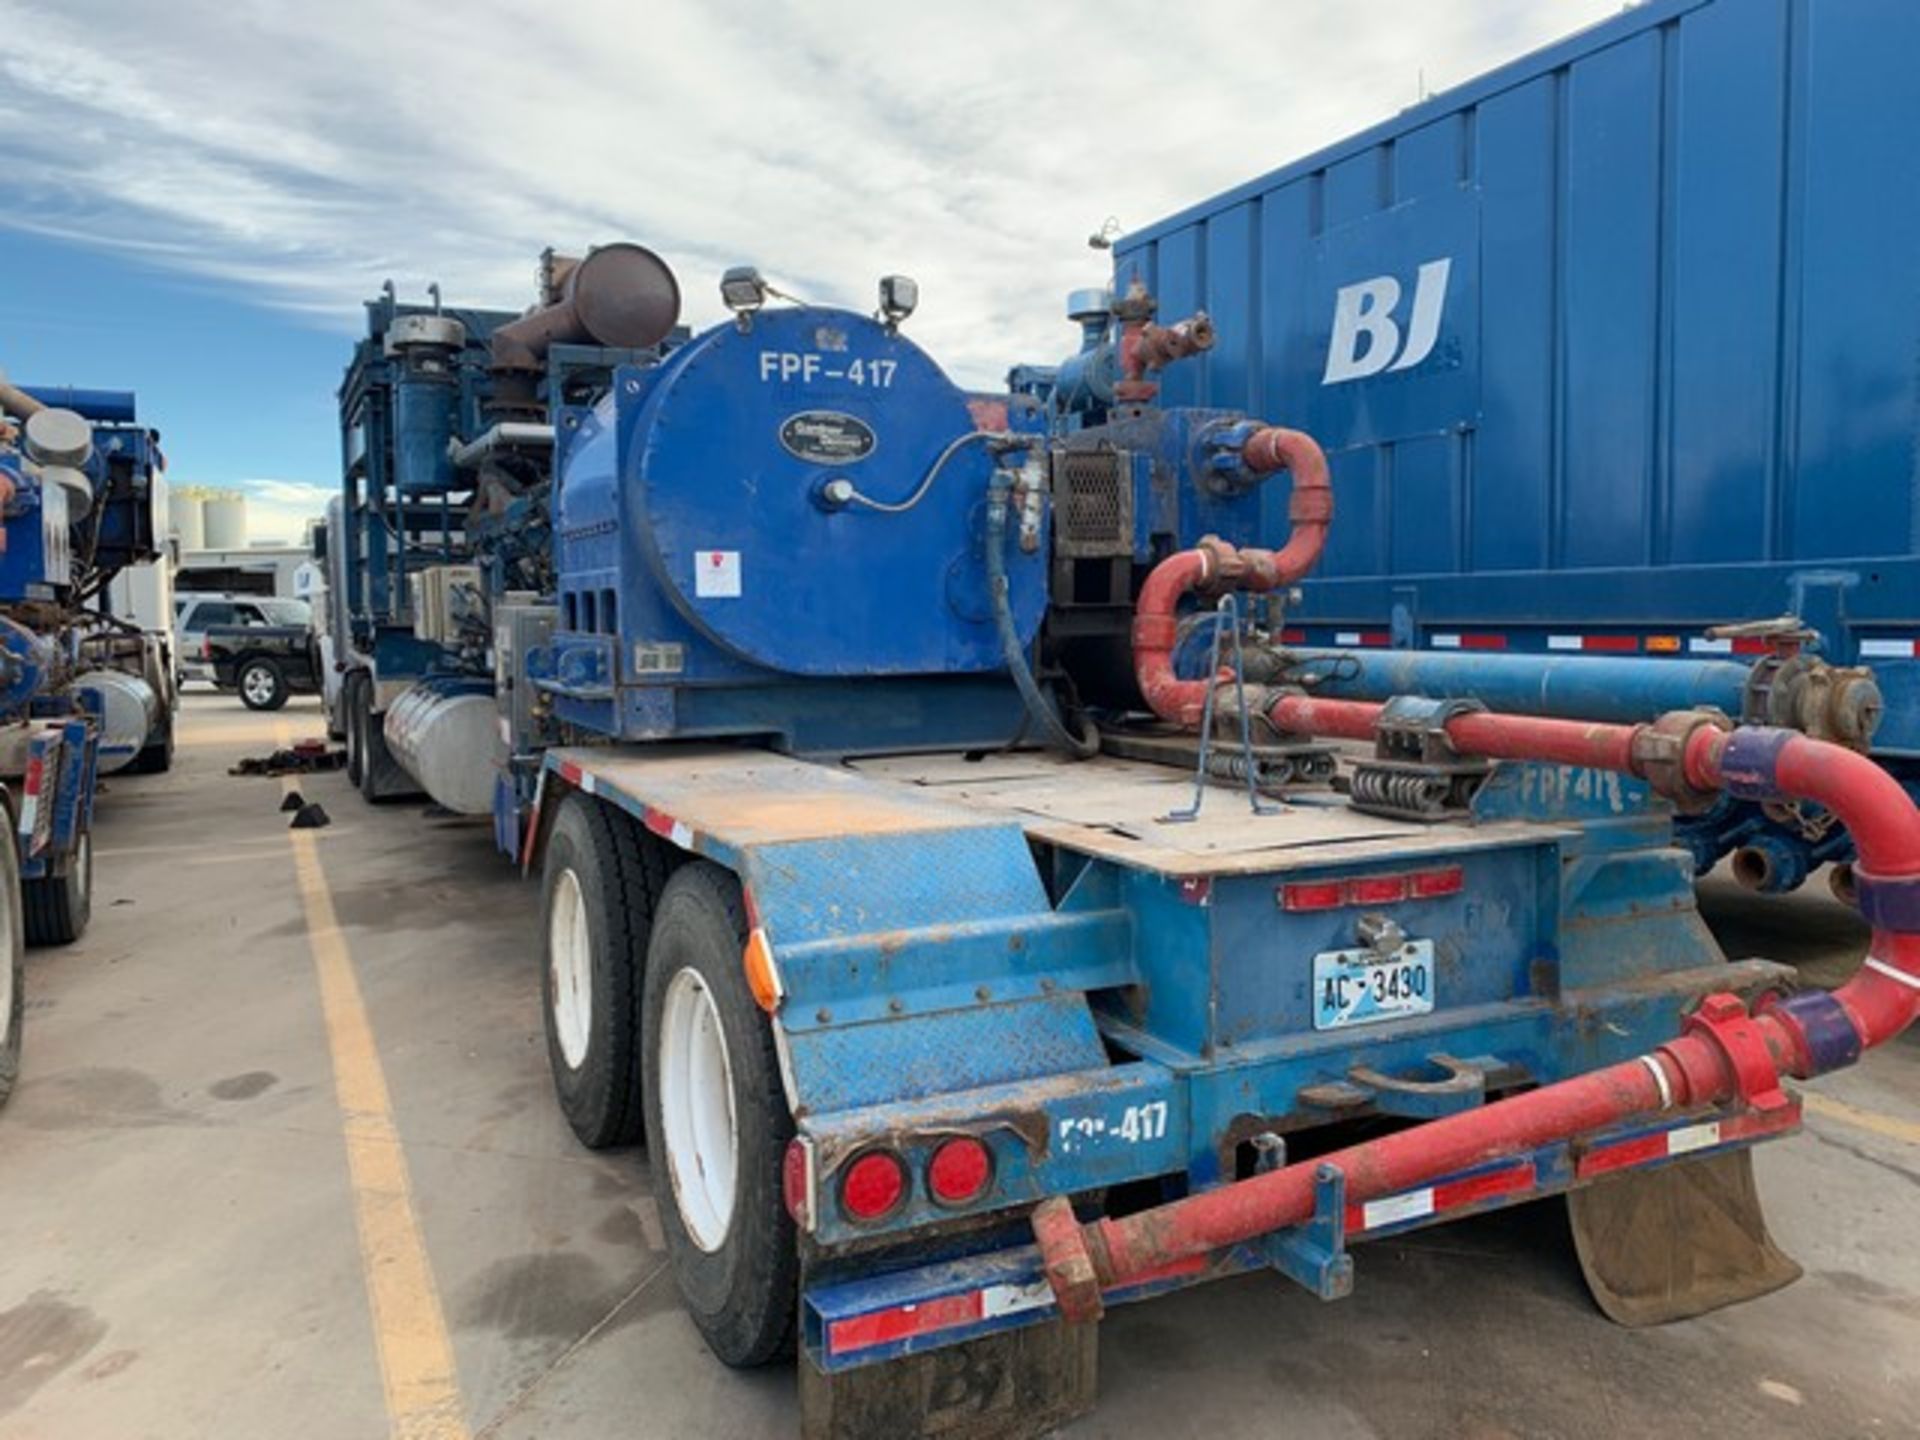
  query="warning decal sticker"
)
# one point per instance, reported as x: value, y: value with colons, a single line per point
x: 716, y: 574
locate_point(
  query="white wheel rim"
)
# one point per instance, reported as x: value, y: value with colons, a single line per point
x: 570, y: 963
x: 258, y: 685
x: 696, y: 1110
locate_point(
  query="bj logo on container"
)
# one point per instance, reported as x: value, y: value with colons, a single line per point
x: 1368, y: 336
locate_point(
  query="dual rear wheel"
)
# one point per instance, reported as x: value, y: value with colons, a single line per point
x: 651, y: 1030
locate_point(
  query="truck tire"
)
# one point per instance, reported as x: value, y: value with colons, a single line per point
x: 602, y: 876
x: 156, y: 756
x: 56, y: 908
x: 261, y: 683
x: 718, y: 1123
x: 381, y: 776
x: 13, y: 961
x: 354, y: 719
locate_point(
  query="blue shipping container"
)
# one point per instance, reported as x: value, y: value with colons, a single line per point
x: 1616, y: 342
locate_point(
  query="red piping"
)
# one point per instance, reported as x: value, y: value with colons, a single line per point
x: 1218, y: 565
x: 1724, y: 1054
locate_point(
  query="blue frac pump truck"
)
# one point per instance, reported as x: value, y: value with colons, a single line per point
x: 948, y: 870
x: 82, y: 496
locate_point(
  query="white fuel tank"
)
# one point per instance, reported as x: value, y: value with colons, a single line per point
x: 445, y: 742
x: 128, y: 708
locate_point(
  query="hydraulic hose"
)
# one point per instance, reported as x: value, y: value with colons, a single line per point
x: 1725, y: 1052
x: 1083, y: 746
x: 1216, y: 565
x: 900, y: 507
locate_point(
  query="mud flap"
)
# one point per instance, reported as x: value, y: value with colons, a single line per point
x: 1014, y: 1385
x: 1679, y: 1241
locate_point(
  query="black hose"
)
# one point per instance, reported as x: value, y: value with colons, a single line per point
x: 1083, y: 746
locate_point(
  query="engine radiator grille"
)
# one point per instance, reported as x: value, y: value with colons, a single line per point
x: 1092, y: 504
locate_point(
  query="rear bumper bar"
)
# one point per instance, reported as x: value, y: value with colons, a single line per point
x: 873, y: 1318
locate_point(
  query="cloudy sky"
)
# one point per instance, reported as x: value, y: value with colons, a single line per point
x: 195, y: 197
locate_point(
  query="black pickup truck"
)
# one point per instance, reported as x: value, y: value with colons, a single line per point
x: 263, y: 663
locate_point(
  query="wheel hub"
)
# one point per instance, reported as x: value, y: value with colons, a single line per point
x: 696, y: 1107
x: 570, y: 961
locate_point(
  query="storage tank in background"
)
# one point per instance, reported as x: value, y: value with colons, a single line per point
x: 187, y: 516
x: 224, y: 520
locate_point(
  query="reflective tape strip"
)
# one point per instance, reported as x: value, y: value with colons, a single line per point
x: 1346, y: 637
x: 1892, y: 972
x: 668, y: 828
x: 1704, y: 645
x: 944, y: 1312
x: 1889, y: 649
x: 1413, y: 1205
x: 1446, y: 642
x: 1014, y: 1299
x: 1684, y: 1140
x: 903, y: 1322
x: 1441, y: 1197
x: 1614, y: 644
x: 1688, y: 1138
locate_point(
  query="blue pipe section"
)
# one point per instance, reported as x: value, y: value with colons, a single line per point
x: 1586, y: 687
x: 105, y: 407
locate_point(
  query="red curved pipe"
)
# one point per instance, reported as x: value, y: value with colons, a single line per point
x: 1309, y: 507
x: 1216, y: 564
x: 1726, y: 1053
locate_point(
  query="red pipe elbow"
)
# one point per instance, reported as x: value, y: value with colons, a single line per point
x: 1309, y: 508
x: 1217, y: 564
x: 1156, y: 629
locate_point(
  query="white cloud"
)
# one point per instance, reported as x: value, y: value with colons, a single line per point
x: 305, y: 153
x: 278, y: 510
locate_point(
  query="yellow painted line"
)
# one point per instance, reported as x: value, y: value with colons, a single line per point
x: 1889, y: 1126
x: 410, y: 1331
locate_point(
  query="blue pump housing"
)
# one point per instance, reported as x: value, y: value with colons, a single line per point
x: 705, y: 537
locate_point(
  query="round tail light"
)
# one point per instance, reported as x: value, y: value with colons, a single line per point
x: 873, y: 1186
x: 960, y: 1171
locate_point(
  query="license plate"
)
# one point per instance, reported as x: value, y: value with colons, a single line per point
x: 1358, y: 987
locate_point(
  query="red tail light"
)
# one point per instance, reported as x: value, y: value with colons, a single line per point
x: 1377, y: 890
x: 1313, y: 895
x: 1306, y: 895
x: 873, y: 1186
x: 1428, y: 884
x: 796, y: 1182
x: 960, y: 1171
